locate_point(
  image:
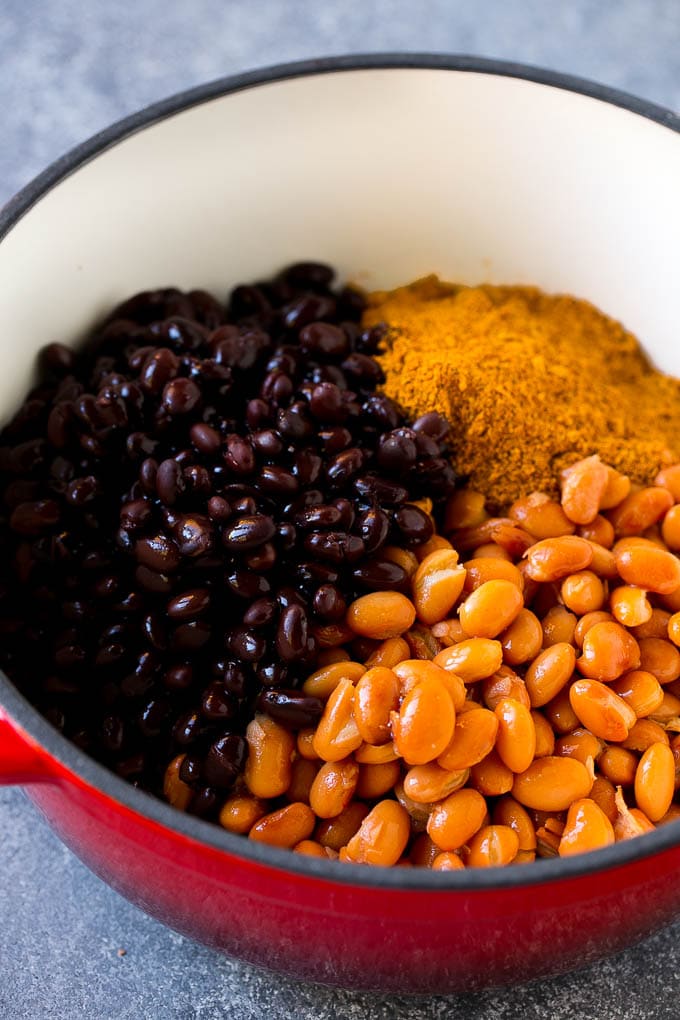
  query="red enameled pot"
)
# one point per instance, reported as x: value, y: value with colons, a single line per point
x: 387, y: 167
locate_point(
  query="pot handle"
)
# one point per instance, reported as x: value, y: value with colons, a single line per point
x: 21, y: 759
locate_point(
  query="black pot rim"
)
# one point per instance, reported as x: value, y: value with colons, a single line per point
x: 144, y: 804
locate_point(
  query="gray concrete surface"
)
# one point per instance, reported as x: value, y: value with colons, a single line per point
x: 67, y: 69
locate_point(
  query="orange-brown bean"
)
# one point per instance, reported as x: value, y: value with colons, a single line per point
x: 618, y: 487
x: 377, y: 780
x: 560, y: 714
x: 491, y: 777
x: 305, y: 744
x: 425, y: 722
x: 604, y: 795
x: 285, y: 827
x: 389, y: 653
x: 310, y: 848
x: 599, y: 530
x: 608, y: 652
x: 541, y: 516
x: 381, y: 615
x: 454, y: 821
x: 335, y: 833
x: 655, y: 781
x: 646, y: 565
x: 656, y: 626
x: 580, y: 744
x: 465, y: 508
x: 447, y: 862
x: 474, y: 736
x: 372, y: 754
x: 640, y: 510
x: 302, y: 775
x: 504, y: 684
x: 558, y: 626
x: 545, y: 735
x: 412, y: 671
x: 523, y: 639
x: 549, y: 672
x: 448, y: 632
x: 333, y: 787
x: 630, y: 606
x: 601, y: 711
x: 669, y: 478
x: 587, y: 622
x: 582, y: 592
x: 661, y: 658
x: 510, y: 812
x: 641, y: 690
x: 673, y: 629
x: 603, y: 562
x: 493, y: 846
x: 423, y: 851
x: 554, y: 558
x: 643, y: 734
x: 583, y: 486
x: 473, y: 659
x: 322, y: 682
x: 516, y: 740
x: 268, y: 767
x: 587, y: 828
x: 376, y: 695
x: 337, y: 733
x: 491, y: 608
x: 618, y: 765
x: 240, y: 812
x: 404, y: 558
x: 426, y: 784
x: 382, y: 836
x: 488, y: 568
x: 552, y: 784
x: 670, y: 528
x: 437, y: 584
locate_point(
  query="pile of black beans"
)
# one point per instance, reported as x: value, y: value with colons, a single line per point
x: 189, y: 502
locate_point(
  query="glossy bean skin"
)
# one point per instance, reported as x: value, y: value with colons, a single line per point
x: 587, y: 828
x: 426, y: 784
x: 473, y: 659
x: 438, y: 582
x: 555, y: 558
x: 608, y: 652
x: 474, y: 737
x: 641, y: 690
x: 425, y: 722
x: 508, y: 811
x: 455, y: 820
x: 334, y: 833
x: 333, y: 787
x: 541, y: 516
x: 552, y: 784
x: 491, y: 776
x: 381, y: 615
x: 655, y: 781
x: 382, y: 836
x: 583, y: 487
x: 522, y: 640
x: 285, y: 827
x: 490, y: 608
x: 647, y: 566
x: 549, y: 672
x: 601, y: 710
x: 239, y: 813
x: 270, y: 749
x: 516, y: 739
x: 337, y: 733
x: 377, y: 780
x: 376, y: 696
x: 493, y: 846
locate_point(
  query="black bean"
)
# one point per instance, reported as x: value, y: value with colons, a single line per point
x: 35, y: 518
x: 433, y: 424
x: 224, y: 760
x: 246, y: 300
x: 260, y: 613
x: 189, y: 637
x: 158, y: 552
x: 383, y: 412
x: 329, y: 603
x: 344, y: 466
x: 179, y: 677
x: 373, y: 527
x: 397, y: 450
x: 247, y: 584
x: 373, y: 488
x: 233, y: 677
x: 155, y: 631
x: 189, y: 604
x: 323, y: 339
x: 291, y: 633
x: 204, y: 802
x: 136, y: 515
x: 261, y: 559
x: 239, y: 455
x: 147, y: 475
x: 272, y: 674
x: 363, y: 370
x: 309, y: 275
x: 307, y: 467
x: 190, y: 770
x: 169, y: 481
x: 286, y: 536
x: 326, y: 403
x: 314, y: 517
x: 186, y: 728
x: 152, y: 716
x: 218, y: 508
x: 58, y: 358
x: 194, y: 535
x: 415, y: 526
x: 258, y: 413
x: 180, y: 396
x: 307, y: 309
x: 267, y: 442
x: 376, y: 575
x: 347, y: 512
x: 246, y: 644
x: 294, y: 423
x: 217, y: 704
x: 205, y: 438
x: 336, y: 546
x: 207, y: 309
x: 290, y: 708
x: 247, y: 533
x: 277, y: 388
x: 276, y: 481
x: 59, y: 425
x: 335, y: 440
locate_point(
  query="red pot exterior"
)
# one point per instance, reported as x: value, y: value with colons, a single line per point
x: 355, y: 936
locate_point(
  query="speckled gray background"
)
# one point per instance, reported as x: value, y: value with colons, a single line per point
x: 67, y: 69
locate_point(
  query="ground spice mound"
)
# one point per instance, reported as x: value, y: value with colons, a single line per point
x: 530, y: 382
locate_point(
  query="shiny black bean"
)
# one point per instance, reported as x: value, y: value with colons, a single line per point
x: 207, y: 309
x: 272, y: 674
x: 315, y: 517
x: 136, y: 515
x: 363, y: 370
x: 261, y: 559
x: 397, y: 450
x: 415, y: 526
x: 197, y: 479
x: 147, y: 475
x: 108, y: 655
x: 286, y: 536
x: 152, y: 717
x: 375, y: 489
x: 169, y: 481
x: 432, y: 424
x: 336, y: 546
x: 294, y: 423
x: 347, y: 512
x: 247, y: 533
x: 267, y: 442
x: 246, y: 644
x: 224, y: 760
x: 204, y: 802
x: 373, y: 527
x: 307, y: 467
x: 291, y: 709
x: 260, y: 613
x: 190, y: 770
x: 239, y: 455
x: 277, y: 388
x: 233, y: 676
x: 247, y: 584
x: 194, y: 535
x: 187, y: 728
x: 329, y: 603
x: 205, y: 438
x: 276, y: 481
x: 326, y: 403
x: 217, y: 704
x: 335, y: 440
x: 370, y: 340
x: 179, y: 677
x: 189, y: 604
x: 436, y: 476
x: 180, y: 396
x: 321, y: 339
x: 291, y: 633
x: 307, y: 309
x: 58, y: 358
x: 155, y: 631
x: 246, y: 300
x: 190, y: 637
x: 258, y: 413
x: 344, y: 466
x: 382, y: 412
x: 376, y: 575
x: 105, y: 587
x: 59, y: 425
x: 158, y: 552
x: 218, y: 509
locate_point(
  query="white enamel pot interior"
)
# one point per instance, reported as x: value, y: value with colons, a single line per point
x: 470, y: 170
